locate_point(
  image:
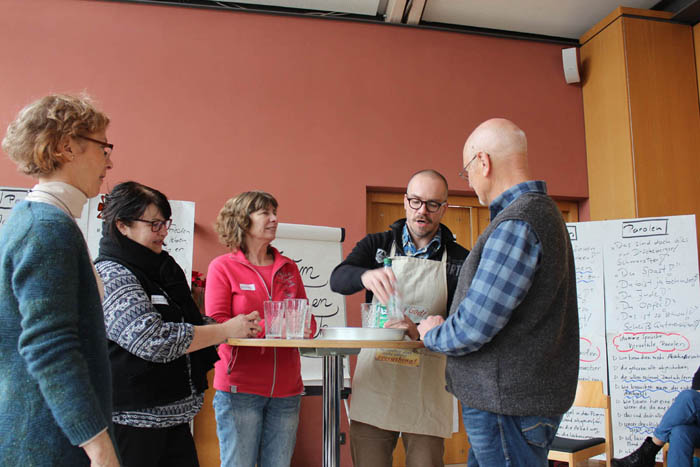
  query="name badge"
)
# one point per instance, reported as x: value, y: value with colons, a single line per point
x: 247, y: 286
x: 159, y: 300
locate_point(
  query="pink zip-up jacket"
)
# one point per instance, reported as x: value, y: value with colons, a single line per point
x: 235, y: 287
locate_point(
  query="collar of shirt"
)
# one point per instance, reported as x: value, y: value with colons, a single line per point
x: 64, y: 196
x: 409, y: 248
x: 511, y: 194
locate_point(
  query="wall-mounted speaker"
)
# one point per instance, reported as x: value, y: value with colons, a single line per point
x: 570, y: 60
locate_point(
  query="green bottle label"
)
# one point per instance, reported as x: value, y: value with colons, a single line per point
x: 383, y: 316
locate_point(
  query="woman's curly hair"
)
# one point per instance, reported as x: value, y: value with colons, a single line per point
x: 233, y: 220
x: 33, y: 138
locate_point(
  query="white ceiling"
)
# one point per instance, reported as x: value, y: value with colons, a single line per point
x: 357, y: 7
x: 557, y: 18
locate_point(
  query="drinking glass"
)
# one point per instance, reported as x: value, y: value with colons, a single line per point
x: 370, y: 315
x: 295, y: 312
x: 274, y: 319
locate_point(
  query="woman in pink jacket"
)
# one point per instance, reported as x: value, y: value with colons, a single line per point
x: 258, y: 389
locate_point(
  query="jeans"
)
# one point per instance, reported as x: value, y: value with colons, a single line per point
x: 680, y: 428
x: 256, y: 429
x: 503, y: 440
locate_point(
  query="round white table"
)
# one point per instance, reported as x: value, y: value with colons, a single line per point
x: 332, y: 351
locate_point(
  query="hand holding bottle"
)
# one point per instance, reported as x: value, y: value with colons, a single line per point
x: 381, y: 282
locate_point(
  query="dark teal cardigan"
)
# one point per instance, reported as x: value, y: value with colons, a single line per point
x: 55, y: 384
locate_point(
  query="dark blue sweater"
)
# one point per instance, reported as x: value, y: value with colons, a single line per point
x: 55, y: 387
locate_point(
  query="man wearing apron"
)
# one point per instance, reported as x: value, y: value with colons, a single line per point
x: 403, y: 392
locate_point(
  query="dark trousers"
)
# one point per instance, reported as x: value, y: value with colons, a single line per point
x: 371, y: 446
x: 153, y: 447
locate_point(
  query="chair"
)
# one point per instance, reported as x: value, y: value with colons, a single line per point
x: 695, y: 454
x: 588, y: 394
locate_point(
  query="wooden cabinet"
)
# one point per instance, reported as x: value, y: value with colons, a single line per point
x: 696, y: 35
x: 641, y: 113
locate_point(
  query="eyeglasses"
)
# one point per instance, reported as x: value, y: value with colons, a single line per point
x: 431, y: 206
x: 463, y: 173
x: 106, y: 147
x: 100, y: 206
x: 156, y: 225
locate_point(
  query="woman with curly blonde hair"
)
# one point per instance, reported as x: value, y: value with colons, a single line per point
x: 55, y: 385
x: 258, y: 390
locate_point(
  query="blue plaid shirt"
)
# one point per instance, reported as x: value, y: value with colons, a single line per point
x: 409, y: 248
x: 508, y: 264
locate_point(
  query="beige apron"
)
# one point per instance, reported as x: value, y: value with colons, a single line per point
x: 407, y: 394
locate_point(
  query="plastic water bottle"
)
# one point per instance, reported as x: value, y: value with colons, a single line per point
x: 386, y: 311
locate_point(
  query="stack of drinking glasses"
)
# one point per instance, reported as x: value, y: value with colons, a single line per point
x: 287, y: 319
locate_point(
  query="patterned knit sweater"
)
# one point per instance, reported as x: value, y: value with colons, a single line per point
x: 55, y: 384
x: 133, y: 323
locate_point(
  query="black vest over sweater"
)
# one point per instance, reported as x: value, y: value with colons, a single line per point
x: 139, y: 383
x: 531, y: 366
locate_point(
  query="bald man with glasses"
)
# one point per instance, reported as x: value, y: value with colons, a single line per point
x: 403, y: 392
x: 512, y: 335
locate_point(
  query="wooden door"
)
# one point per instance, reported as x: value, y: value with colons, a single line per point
x: 467, y: 219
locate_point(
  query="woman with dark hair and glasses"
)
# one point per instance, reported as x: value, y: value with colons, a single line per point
x: 159, y: 347
x: 55, y: 389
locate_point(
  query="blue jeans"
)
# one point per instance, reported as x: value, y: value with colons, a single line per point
x: 503, y: 440
x: 255, y: 429
x: 680, y: 428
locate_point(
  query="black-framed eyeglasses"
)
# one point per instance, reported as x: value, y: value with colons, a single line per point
x: 106, y: 147
x: 157, y: 225
x: 431, y: 206
x: 463, y: 173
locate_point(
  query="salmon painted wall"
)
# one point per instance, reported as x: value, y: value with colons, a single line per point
x: 206, y: 104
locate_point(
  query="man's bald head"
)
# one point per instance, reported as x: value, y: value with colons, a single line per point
x: 495, y: 158
x: 499, y: 138
x: 428, y: 174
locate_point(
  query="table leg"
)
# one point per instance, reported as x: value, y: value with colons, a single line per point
x: 332, y: 385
